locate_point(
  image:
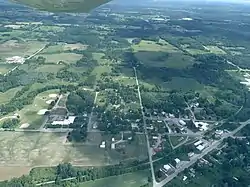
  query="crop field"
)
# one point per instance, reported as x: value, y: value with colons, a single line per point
x: 127, y: 180
x: 29, y: 113
x: 4, y: 68
x: 9, y: 94
x: 163, y: 46
x: 68, y: 58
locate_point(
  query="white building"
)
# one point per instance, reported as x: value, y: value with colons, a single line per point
x: 112, y: 146
x: 15, y: 60
x: 167, y: 167
x: 184, y: 178
x: 182, y: 122
x: 200, y: 147
x: 177, y: 160
x: 198, y: 143
x: 202, y: 126
x: 68, y: 121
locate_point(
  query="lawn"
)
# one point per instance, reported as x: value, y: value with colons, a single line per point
x: 135, y: 179
x: 5, y: 97
x: 69, y: 58
x: 162, y: 45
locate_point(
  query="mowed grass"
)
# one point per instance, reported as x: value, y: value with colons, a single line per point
x: 161, y: 59
x: 69, y: 58
x: 185, y: 84
x: 48, y: 28
x: 5, y: 97
x: 29, y: 113
x: 162, y: 45
x: 135, y: 179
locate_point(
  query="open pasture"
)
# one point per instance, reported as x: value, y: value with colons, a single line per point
x: 162, y: 45
x: 68, y: 58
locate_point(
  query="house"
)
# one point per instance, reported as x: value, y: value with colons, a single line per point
x: 68, y: 121
x: 177, y: 161
x: 198, y: 143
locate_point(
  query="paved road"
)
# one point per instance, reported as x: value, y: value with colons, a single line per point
x: 210, y: 148
x: 145, y: 129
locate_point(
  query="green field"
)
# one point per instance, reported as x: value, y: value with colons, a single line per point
x: 184, y: 84
x: 162, y: 45
x: 215, y: 50
x: 5, y: 97
x: 29, y: 113
x: 16, y: 48
x: 128, y: 180
x: 50, y: 68
x: 62, y: 47
x: 69, y: 58
x: 162, y: 59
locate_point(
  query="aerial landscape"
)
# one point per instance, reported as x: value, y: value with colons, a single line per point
x: 130, y: 94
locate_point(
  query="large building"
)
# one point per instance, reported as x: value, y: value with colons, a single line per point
x: 68, y: 121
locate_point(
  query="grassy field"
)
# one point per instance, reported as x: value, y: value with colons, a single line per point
x: 50, y: 68
x: 62, y: 47
x: 161, y: 59
x: 48, y: 28
x: 135, y: 179
x: 15, y: 48
x: 98, y: 70
x: 162, y: 45
x: 215, y: 50
x: 29, y: 113
x: 184, y: 84
x: 68, y: 58
x: 9, y: 94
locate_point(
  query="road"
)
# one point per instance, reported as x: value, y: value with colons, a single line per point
x: 195, y: 158
x: 91, y: 114
x: 145, y: 129
x: 26, y: 59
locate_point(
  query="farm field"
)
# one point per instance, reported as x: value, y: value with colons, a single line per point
x: 184, y: 84
x: 127, y: 180
x: 50, y: 68
x: 62, y: 47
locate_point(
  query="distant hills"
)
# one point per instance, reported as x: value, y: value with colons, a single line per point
x: 81, y: 6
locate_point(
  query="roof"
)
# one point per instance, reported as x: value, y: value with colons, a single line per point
x: 167, y: 167
x: 68, y: 121
x: 177, y: 160
x: 200, y: 147
x: 198, y: 143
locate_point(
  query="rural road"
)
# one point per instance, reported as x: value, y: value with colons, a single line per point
x: 145, y: 129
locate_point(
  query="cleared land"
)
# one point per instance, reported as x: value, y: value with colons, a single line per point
x: 128, y: 180
x: 162, y: 45
x: 184, y: 84
x: 50, y: 68
x: 62, y: 47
